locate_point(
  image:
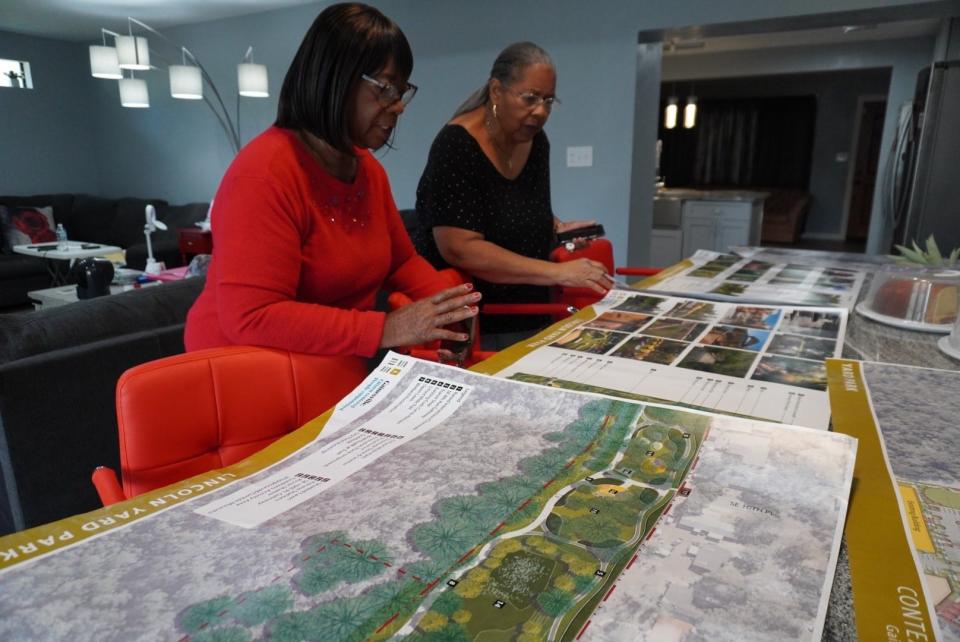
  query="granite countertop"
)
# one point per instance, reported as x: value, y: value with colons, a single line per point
x: 687, y: 194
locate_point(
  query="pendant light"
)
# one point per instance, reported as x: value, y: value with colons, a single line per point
x: 690, y: 113
x: 104, y: 62
x: 133, y: 92
x: 133, y: 52
x: 251, y: 77
x: 670, y: 113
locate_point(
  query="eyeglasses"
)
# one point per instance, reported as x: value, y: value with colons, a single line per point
x: 390, y: 94
x: 531, y: 100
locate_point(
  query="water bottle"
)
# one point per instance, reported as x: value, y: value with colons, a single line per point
x: 62, y: 244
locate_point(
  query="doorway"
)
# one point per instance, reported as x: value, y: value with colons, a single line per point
x: 867, y: 138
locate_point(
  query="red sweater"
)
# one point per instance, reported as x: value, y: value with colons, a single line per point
x: 299, y: 256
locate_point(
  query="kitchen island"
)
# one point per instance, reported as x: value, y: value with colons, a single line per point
x: 687, y: 220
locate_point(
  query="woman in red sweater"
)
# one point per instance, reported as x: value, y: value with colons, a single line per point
x: 305, y: 228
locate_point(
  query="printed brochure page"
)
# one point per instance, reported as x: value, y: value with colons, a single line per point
x: 728, y: 277
x: 749, y: 360
x: 422, y: 404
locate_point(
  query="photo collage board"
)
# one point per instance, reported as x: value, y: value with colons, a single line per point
x: 760, y: 361
x: 728, y: 277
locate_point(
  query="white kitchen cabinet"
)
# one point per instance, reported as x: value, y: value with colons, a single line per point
x: 717, y: 225
x: 666, y: 246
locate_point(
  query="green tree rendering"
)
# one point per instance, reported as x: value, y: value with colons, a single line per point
x: 555, y: 602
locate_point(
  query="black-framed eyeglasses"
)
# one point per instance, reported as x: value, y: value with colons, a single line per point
x: 390, y: 94
x: 531, y: 100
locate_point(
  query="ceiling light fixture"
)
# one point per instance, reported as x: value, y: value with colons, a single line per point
x: 670, y: 113
x: 690, y: 112
x: 187, y: 79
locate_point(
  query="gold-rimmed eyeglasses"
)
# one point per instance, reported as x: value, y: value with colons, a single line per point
x: 390, y: 94
x: 531, y: 100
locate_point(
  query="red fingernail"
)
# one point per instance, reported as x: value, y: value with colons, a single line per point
x: 469, y: 286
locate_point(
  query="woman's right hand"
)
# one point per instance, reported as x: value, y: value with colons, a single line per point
x: 583, y: 273
x: 423, y: 320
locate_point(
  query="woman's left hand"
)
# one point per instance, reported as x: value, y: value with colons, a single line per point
x: 425, y: 320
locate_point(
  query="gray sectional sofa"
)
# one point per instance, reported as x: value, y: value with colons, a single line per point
x: 58, y: 373
x: 94, y: 219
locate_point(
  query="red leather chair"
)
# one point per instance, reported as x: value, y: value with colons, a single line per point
x: 190, y: 413
x: 565, y: 301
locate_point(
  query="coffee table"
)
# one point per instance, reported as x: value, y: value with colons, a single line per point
x: 59, y: 261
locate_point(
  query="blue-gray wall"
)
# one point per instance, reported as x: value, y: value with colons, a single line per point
x: 47, y: 142
x: 175, y: 149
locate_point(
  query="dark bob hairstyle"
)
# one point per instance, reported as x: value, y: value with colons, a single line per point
x: 344, y: 42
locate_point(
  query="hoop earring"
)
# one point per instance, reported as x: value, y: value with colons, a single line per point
x: 495, y: 111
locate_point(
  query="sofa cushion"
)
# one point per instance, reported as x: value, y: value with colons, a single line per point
x: 61, y: 203
x: 59, y: 422
x: 96, y: 319
x: 16, y: 266
x: 91, y: 218
x: 23, y: 225
x: 177, y: 216
x: 127, y: 228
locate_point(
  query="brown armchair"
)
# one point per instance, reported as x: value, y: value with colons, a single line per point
x: 784, y: 213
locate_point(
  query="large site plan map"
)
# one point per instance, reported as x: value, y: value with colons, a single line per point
x: 450, y: 506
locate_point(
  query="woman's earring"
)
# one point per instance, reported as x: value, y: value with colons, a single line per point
x: 495, y: 111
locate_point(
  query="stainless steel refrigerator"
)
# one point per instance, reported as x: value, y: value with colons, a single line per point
x: 929, y: 200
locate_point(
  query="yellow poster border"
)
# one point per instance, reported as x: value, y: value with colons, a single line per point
x: 888, y: 594
x: 37, y: 542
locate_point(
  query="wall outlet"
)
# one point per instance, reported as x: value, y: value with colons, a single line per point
x: 580, y: 156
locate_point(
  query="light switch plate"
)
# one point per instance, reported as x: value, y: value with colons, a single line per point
x: 580, y: 156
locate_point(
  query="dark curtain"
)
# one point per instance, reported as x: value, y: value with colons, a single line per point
x: 742, y: 142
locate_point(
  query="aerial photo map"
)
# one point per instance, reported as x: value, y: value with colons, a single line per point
x: 461, y: 507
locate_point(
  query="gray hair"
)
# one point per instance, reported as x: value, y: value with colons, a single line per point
x: 506, y: 68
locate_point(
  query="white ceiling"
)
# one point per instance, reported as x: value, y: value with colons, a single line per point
x: 81, y: 20
x: 804, y: 37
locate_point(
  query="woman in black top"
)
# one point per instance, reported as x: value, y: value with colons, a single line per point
x: 483, y: 202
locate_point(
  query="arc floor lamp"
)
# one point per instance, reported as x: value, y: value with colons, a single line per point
x: 131, y: 53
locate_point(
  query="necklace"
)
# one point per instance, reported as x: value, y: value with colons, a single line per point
x: 505, y: 156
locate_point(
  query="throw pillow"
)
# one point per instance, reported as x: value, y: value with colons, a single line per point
x: 23, y: 225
